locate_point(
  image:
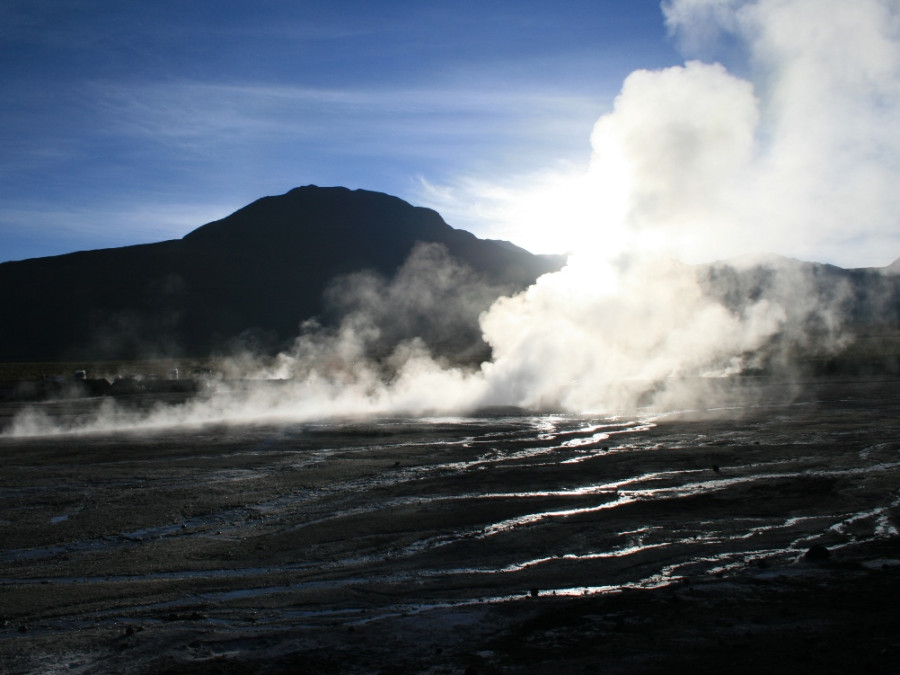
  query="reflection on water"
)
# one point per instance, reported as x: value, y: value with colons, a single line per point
x: 361, y: 518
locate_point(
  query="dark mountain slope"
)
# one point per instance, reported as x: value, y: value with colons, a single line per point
x: 260, y: 271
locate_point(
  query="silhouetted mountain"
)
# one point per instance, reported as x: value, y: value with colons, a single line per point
x: 256, y: 274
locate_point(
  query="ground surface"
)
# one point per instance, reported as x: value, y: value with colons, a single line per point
x: 495, y: 544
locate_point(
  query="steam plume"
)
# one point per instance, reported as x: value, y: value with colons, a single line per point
x: 798, y: 155
x: 696, y: 163
x: 819, y: 181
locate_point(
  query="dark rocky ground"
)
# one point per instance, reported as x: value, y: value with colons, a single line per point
x: 493, y: 545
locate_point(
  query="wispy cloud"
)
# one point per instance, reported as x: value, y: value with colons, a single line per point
x: 202, y: 99
x: 185, y: 113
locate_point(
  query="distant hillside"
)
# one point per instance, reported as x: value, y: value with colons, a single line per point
x: 836, y: 320
x: 255, y: 275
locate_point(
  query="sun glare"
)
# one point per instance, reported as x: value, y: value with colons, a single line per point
x: 567, y: 213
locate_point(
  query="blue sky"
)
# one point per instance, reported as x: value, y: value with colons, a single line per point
x: 704, y: 129
x: 131, y: 122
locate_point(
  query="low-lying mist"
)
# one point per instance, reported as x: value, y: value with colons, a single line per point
x: 634, y: 335
x: 693, y: 164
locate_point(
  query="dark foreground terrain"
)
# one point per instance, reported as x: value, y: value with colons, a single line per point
x: 755, y: 539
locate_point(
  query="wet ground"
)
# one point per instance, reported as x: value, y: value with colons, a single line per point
x: 727, y: 540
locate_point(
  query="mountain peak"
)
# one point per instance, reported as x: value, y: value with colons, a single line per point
x: 264, y: 269
x: 312, y: 208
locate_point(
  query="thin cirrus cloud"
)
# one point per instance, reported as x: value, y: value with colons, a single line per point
x: 220, y: 103
x: 144, y: 152
x: 201, y: 114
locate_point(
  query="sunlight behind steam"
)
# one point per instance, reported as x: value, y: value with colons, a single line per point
x: 798, y: 155
x: 692, y: 164
x: 550, y: 212
x: 559, y: 213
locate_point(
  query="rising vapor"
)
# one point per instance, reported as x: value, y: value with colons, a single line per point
x: 796, y: 155
x: 819, y: 181
x: 694, y: 163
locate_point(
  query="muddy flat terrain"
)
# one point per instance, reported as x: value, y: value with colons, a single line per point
x: 750, y: 538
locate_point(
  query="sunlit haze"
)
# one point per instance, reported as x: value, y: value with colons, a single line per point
x: 785, y: 146
x: 772, y: 131
x: 705, y: 128
x: 449, y: 336
x: 124, y: 123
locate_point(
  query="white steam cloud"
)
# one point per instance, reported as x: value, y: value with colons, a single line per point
x: 819, y: 181
x: 799, y: 155
x: 674, y: 156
